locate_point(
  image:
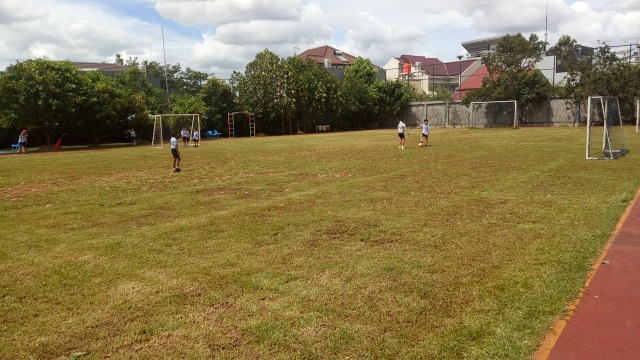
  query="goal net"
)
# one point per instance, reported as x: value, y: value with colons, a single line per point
x: 605, y: 134
x: 167, y: 125
x: 493, y: 113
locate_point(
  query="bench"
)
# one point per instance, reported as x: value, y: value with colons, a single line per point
x: 320, y: 128
x: 15, y: 146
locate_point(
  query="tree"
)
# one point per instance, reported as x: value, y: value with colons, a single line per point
x: 358, y: 93
x: 514, y: 53
x: 261, y: 90
x: 609, y: 76
x: 187, y: 104
x: 310, y: 91
x: 107, y: 108
x: 190, y: 82
x: 139, y: 89
x: 219, y: 101
x: 43, y: 96
x: 393, y: 97
x: 512, y: 73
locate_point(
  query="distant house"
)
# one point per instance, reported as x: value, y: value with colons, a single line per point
x: 111, y: 70
x: 473, y: 82
x: 548, y: 65
x: 333, y: 60
x: 430, y: 74
x: 480, y: 47
x: 105, y: 68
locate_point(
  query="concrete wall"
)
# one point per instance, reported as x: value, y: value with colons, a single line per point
x: 553, y: 112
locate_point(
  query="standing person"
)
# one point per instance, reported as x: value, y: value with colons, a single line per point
x: 175, y: 153
x: 195, y: 137
x: 424, y: 138
x: 185, y: 137
x: 22, y: 141
x: 402, y: 128
x: 132, y: 134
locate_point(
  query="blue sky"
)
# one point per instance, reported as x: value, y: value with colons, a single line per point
x: 220, y: 36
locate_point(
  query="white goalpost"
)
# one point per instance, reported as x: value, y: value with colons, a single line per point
x: 166, y: 125
x: 605, y: 134
x: 493, y: 113
x: 637, y: 115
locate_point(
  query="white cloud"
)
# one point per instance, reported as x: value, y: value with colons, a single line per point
x: 198, y: 12
x: 223, y: 35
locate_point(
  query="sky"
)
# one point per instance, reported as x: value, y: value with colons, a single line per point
x: 220, y: 36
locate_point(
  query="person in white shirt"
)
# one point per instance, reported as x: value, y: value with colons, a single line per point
x: 402, y: 128
x: 132, y: 134
x: 185, y: 137
x: 176, y: 153
x: 424, y: 138
x: 196, y: 138
x: 22, y: 141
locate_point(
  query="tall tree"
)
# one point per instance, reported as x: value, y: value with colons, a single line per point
x: 140, y: 90
x: 106, y: 111
x: 190, y: 81
x: 512, y: 73
x: 219, y: 101
x: 310, y: 92
x: 514, y: 54
x: 393, y: 97
x: 358, y: 93
x: 261, y: 91
x: 43, y: 96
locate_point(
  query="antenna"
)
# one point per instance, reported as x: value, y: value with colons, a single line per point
x: 546, y: 23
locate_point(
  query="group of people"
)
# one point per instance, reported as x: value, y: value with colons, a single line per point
x: 424, y: 136
x: 195, y: 137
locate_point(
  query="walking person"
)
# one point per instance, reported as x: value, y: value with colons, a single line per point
x: 175, y: 153
x: 132, y: 134
x: 424, y: 137
x: 402, y: 128
x: 22, y: 141
x: 185, y: 137
x: 196, y: 138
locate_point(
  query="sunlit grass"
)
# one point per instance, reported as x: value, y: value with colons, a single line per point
x: 323, y: 246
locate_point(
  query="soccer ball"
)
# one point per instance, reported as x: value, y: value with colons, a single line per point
x: 421, y: 144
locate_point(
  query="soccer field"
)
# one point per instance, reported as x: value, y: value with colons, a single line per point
x: 336, y: 245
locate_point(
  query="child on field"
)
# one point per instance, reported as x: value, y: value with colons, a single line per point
x: 424, y: 138
x: 22, y: 141
x: 132, y: 134
x: 185, y: 137
x: 175, y: 153
x: 196, y: 138
x: 401, y: 130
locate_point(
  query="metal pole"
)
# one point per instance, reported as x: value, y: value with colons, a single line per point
x: 166, y: 77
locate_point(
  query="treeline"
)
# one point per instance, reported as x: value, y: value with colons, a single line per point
x: 53, y: 99
x: 590, y: 72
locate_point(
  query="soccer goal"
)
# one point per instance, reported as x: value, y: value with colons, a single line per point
x: 605, y: 134
x: 493, y: 113
x: 166, y: 125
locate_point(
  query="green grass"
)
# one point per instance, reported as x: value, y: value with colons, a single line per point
x: 310, y: 247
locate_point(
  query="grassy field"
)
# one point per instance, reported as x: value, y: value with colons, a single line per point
x: 323, y: 246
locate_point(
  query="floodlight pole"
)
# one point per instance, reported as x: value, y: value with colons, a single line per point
x: 166, y: 77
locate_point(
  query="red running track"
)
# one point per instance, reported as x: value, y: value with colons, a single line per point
x: 605, y: 323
